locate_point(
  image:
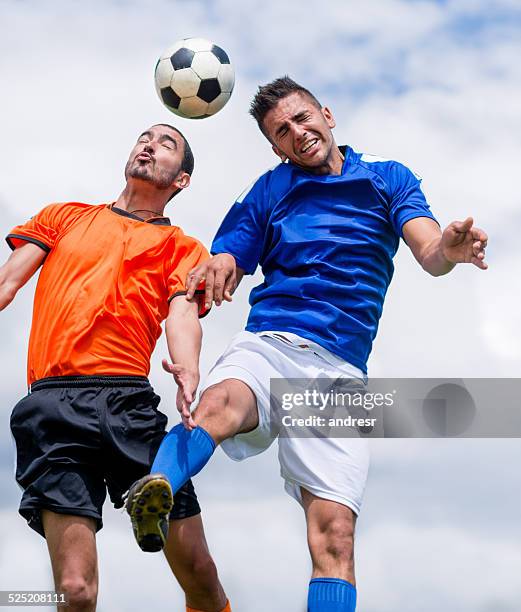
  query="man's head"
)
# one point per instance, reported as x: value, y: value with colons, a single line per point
x: 296, y: 124
x: 163, y: 157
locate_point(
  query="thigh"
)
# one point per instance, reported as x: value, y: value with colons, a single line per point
x: 334, y: 469
x: 54, y: 427
x: 247, y: 366
x: 71, y: 541
x: 132, y: 430
x: 321, y: 513
x: 56, y: 432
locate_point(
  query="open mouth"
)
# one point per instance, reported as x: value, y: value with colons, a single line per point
x: 310, y: 146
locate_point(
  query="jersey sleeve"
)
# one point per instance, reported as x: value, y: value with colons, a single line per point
x: 188, y: 253
x: 43, y: 229
x: 242, y: 231
x: 407, y: 200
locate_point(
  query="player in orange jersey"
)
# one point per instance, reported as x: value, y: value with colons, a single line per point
x: 110, y: 274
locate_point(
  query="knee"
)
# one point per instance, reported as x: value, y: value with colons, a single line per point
x: 81, y: 593
x: 214, y: 413
x: 333, y: 540
x: 205, y: 570
x: 213, y: 402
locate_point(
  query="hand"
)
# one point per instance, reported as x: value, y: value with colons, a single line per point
x: 187, y: 382
x: 461, y: 242
x: 220, y: 273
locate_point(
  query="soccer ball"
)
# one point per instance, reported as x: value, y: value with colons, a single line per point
x: 194, y: 78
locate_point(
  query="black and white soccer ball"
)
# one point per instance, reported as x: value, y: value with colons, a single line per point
x: 194, y: 78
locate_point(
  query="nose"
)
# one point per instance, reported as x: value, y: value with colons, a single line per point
x: 149, y: 147
x: 299, y: 133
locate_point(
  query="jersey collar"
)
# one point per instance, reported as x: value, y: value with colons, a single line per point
x: 153, y: 220
x: 346, y: 151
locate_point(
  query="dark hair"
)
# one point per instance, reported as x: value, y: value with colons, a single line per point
x: 187, y: 165
x: 269, y: 95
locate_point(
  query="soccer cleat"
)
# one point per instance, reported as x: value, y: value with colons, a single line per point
x: 149, y: 503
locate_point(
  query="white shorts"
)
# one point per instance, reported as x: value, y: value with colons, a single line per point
x: 330, y: 468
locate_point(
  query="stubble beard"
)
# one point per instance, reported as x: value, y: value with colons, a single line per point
x: 145, y: 172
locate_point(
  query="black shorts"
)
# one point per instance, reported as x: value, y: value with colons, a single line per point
x: 77, y: 437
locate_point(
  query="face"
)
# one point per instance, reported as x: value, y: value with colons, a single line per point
x: 301, y: 132
x: 157, y: 157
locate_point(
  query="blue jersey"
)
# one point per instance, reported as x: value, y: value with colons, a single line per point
x: 325, y: 245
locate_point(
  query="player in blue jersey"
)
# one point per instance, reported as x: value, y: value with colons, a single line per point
x: 324, y: 226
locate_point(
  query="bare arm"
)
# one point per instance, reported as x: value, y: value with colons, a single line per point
x: 222, y: 276
x: 438, y: 252
x: 183, y: 337
x: 17, y: 270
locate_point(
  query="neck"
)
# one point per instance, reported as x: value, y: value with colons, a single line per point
x: 144, y: 198
x: 332, y: 165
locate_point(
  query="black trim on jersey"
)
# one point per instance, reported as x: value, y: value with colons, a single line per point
x: 197, y: 292
x: 53, y: 382
x: 153, y: 220
x: 27, y: 239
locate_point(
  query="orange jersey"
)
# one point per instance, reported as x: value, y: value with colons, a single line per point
x: 104, y: 288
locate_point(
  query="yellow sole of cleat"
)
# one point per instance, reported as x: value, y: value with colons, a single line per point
x: 149, y: 507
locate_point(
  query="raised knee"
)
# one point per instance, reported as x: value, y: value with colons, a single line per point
x: 334, y: 539
x: 213, y: 401
x: 215, y: 414
x: 81, y: 593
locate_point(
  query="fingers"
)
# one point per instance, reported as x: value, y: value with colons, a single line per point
x: 479, y: 245
x: 218, y: 287
x: 183, y: 406
x: 194, y: 279
x: 479, y: 234
x: 167, y: 367
x: 172, y: 368
x: 479, y: 262
x: 219, y: 274
x: 463, y: 226
x: 186, y: 417
x: 229, y: 287
x: 208, y: 291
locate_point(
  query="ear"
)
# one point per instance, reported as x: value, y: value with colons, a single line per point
x: 328, y: 116
x: 278, y: 152
x: 182, y: 180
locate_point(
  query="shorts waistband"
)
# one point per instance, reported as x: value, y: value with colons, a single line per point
x: 53, y: 382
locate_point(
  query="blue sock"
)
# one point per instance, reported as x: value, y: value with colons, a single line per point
x: 183, y: 454
x: 331, y: 595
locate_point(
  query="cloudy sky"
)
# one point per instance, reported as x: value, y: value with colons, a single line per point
x: 436, y: 85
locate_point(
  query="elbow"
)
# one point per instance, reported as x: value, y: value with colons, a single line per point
x: 433, y: 272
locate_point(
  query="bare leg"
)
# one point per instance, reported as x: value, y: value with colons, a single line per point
x: 226, y: 409
x: 187, y: 554
x: 331, y: 528
x: 71, y: 541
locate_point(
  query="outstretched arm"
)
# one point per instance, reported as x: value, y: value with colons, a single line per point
x: 438, y: 252
x: 17, y: 270
x: 183, y: 336
x: 222, y: 277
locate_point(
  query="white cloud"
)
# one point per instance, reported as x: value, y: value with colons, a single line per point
x: 435, y: 85
x: 445, y: 568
